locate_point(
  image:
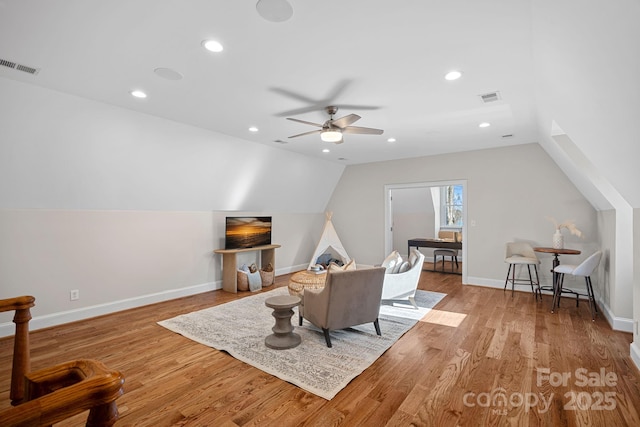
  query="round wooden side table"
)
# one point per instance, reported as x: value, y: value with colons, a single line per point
x: 283, y: 336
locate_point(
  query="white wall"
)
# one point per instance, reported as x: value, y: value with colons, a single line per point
x: 510, y: 191
x: 63, y: 152
x: 127, y: 208
x: 413, y: 216
x: 635, y: 345
x: 586, y: 68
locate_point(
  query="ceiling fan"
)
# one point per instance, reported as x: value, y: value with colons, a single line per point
x: 332, y: 130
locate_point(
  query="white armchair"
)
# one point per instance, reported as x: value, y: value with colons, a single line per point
x: 402, y: 285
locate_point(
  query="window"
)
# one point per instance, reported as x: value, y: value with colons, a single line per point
x: 452, y: 207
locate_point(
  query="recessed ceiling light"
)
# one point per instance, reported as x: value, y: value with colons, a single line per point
x: 212, y: 46
x: 253, y: 129
x: 484, y: 125
x: 391, y: 140
x: 326, y: 150
x: 138, y: 94
x: 168, y: 73
x: 274, y: 10
x: 453, y: 75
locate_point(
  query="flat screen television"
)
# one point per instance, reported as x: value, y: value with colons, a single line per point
x: 247, y: 232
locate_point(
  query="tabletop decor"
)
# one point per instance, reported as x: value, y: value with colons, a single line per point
x: 558, y: 238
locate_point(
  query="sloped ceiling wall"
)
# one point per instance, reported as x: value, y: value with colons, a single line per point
x: 587, y: 68
x: 59, y: 151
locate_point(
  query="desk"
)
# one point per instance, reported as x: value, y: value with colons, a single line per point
x: 433, y: 243
x: 556, y: 261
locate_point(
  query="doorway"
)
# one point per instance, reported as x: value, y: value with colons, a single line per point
x: 413, y: 210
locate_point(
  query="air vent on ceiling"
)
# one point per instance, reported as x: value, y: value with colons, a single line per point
x: 509, y: 135
x: 19, y: 67
x: 490, y: 97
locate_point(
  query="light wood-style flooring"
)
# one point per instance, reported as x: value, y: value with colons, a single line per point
x: 480, y: 358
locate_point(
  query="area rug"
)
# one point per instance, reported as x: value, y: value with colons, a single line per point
x: 240, y: 327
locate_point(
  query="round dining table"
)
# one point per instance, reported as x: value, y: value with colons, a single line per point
x: 556, y: 261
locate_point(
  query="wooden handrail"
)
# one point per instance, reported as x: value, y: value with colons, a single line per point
x: 50, y: 395
x: 21, y: 360
x: 62, y: 391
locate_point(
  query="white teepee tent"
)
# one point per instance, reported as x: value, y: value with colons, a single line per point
x: 329, y: 240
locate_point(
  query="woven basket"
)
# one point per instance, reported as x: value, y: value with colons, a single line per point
x: 268, y: 277
x: 305, y: 280
x: 243, y: 281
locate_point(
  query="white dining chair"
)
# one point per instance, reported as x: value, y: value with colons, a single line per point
x: 584, y: 269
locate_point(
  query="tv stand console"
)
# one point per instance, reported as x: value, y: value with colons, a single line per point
x: 230, y: 263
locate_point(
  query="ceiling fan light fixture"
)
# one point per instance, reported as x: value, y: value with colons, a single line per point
x: 331, y: 135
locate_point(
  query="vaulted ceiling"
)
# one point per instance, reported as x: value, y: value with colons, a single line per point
x: 382, y: 60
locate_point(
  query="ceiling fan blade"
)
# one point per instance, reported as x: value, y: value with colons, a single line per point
x: 306, y: 133
x: 294, y: 95
x: 305, y: 122
x: 361, y: 130
x: 357, y: 107
x: 345, y: 121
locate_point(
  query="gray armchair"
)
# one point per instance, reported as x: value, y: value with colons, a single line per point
x: 349, y: 298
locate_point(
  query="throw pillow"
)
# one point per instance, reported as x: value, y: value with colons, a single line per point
x: 334, y: 268
x: 351, y: 265
x: 255, y: 281
x: 405, y: 266
x: 392, y: 262
x: 324, y: 259
x: 413, y: 257
x: 396, y: 268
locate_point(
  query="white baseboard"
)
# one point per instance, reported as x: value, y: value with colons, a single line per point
x: 617, y: 323
x: 635, y: 353
x: 488, y: 283
x: 39, y: 322
x: 292, y: 269
x: 54, y: 319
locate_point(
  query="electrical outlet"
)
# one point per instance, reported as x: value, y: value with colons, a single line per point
x: 74, y: 295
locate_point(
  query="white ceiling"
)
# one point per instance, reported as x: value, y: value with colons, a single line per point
x: 382, y: 60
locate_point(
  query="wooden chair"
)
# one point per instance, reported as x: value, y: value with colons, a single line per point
x: 50, y: 395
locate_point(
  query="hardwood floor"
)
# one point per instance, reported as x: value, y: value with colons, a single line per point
x: 478, y: 349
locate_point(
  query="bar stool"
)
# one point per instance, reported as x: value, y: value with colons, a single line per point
x: 583, y: 270
x: 521, y: 253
